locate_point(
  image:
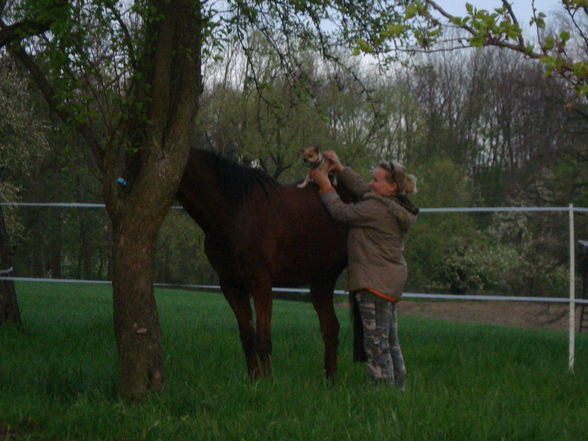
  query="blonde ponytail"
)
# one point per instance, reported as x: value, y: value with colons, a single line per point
x: 410, y: 184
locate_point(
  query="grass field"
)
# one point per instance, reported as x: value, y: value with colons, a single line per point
x: 466, y: 381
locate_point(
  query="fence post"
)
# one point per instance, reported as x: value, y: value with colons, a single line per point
x: 571, y: 350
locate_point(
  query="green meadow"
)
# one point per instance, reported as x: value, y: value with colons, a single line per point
x: 466, y: 381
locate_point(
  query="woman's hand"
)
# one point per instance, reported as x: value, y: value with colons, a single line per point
x: 320, y: 178
x: 334, y: 159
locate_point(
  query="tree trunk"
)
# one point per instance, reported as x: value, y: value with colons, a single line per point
x: 9, y: 311
x: 136, y: 323
x: 138, y: 207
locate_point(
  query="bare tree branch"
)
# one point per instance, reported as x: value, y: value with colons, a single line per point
x: 513, y: 17
x: 28, y: 27
x: 18, y: 31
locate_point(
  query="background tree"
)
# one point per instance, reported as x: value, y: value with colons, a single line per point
x: 22, y: 145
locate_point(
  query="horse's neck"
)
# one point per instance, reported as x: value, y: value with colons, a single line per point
x: 201, y: 196
x: 208, y: 214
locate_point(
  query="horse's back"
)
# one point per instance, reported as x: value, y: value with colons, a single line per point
x: 291, y: 235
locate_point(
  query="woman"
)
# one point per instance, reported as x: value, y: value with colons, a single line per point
x: 376, y: 266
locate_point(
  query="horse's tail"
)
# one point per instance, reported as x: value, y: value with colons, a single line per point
x: 358, y: 346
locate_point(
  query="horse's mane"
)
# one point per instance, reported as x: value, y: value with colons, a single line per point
x: 236, y: 180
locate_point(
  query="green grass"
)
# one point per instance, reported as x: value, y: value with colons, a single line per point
x: 466, y: 381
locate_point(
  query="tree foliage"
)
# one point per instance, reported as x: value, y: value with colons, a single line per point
x: 23, y: 134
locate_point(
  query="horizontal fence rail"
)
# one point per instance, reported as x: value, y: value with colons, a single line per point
x: 53, y: 204
x: 422, y: 210
x: 406, y: 295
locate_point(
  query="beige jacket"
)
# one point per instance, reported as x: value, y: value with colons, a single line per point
x: 375, y: 244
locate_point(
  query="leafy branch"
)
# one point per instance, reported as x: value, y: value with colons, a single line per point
x: 424, y: 25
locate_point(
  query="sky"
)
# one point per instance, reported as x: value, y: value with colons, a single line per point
x: 522, y: 8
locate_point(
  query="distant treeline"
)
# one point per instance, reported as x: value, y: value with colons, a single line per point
x: 478, y: 128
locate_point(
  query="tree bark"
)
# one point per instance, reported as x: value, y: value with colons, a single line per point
x: 136, y: 323
x: 9, y: 311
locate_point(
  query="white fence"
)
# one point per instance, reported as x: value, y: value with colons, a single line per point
x: 571, y: 299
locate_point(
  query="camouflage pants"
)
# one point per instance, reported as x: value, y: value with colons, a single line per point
x: 385, y: 362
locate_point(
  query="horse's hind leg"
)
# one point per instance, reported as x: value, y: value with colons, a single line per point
x: 322, y: 300
x: 262, y: 299
x: 238, y: 298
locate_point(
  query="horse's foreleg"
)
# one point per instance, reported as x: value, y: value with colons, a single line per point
x: 262, y: 299
x: 238, y: 298
x: 322, y: 300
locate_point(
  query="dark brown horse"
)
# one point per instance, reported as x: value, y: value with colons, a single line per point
x: 259, y: 234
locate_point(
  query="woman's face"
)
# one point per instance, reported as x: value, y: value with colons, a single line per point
x: 380, y: 183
